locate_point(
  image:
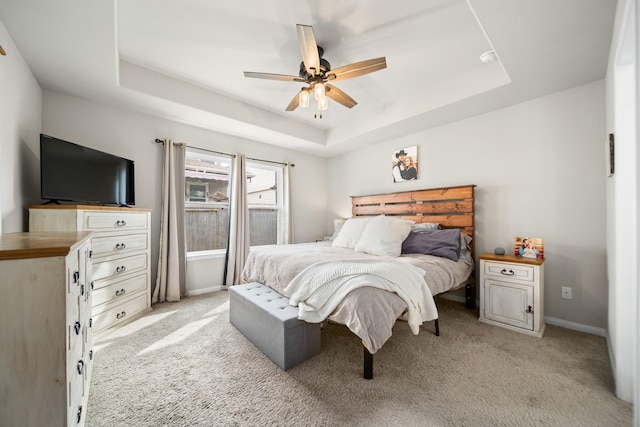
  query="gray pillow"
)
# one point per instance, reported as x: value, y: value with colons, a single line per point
x: 465, y: 249
x: 442, y: 243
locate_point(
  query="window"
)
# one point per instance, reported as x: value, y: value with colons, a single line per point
x: 207, y: 202
x: 198, y: 191
x: 264, y: 192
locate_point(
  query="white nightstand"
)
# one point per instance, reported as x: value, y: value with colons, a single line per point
x: 512, y: 293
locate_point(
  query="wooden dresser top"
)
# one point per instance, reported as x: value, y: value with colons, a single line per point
x: 39, y: 244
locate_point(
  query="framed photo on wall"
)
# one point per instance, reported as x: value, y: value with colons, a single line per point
x: 404, y: 164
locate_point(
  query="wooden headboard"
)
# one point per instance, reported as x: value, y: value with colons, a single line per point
x: 451, y: 207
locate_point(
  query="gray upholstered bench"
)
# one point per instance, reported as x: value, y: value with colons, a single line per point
x: 271, y: 324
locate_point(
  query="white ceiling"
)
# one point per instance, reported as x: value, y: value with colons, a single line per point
x: 184, y: 60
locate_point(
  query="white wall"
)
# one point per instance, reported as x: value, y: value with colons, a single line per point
x: 622, y: 204
x: 132, y: 135
x: 539, y: 168
x: 20, y: 118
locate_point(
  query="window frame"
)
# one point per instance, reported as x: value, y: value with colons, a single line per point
x: 278, y: 169
x: 279, y: 205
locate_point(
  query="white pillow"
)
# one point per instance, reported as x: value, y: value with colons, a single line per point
x: 350, y: 233
x: 383, y: 235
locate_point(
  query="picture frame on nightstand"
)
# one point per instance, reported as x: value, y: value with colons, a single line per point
x: 528, y: 247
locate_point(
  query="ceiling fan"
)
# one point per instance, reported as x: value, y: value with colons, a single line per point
x: 317, y: 73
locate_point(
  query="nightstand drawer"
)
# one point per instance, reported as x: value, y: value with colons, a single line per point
x: 511, y: 271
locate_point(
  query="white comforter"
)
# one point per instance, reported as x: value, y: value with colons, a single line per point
x: 319, y: 288
x: 368, y: 312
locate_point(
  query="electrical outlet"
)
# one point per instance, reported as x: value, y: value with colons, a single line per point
x: 566, y: 293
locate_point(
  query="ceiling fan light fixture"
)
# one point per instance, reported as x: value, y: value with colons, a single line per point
x: 315, y: 71
x: 323, y: 104
x: 319, y: 91
x: 303, y: 98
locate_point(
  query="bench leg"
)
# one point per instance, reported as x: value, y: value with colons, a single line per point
x: 368, y: 364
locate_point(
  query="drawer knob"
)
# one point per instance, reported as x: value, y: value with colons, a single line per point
x: 90, y: 354
x: 529, y: 309
x: 79, y: 414
x: 76, y: 328
x: 90, y: 322
x: 120, y: 292
x: 76, y: 276
x: 120, y: 246
x: 80, y: 367
x: 508, y: 272
x: 121, y: 223
x: 121, y: 315
x: 121, y: 269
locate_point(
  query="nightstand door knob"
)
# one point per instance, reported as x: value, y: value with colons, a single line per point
x: 529, y: 309
x: 508, y: 272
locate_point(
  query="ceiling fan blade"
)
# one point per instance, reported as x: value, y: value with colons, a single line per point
x: 308, y: 48
x: 268, y: 76
x: 357, y: 69
x: 295, y: 102
x: 339, y: 96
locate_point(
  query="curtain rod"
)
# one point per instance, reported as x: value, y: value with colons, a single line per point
x: 159, y: 141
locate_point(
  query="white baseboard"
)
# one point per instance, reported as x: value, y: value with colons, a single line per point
x: 194, y: 292
x: 548, y: 319
x: 575, y: 326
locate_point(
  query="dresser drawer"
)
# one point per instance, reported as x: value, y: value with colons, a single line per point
x: 118, y: 267
x: 120, y: 290
x: 119, y: 313
x: 120, y: 244
x: 110, y: 221
x: 509, y: 271
x: 75, y: 340
x: 76, y: 366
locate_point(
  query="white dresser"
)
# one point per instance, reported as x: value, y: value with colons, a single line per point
x: 46, y: 334
x: 512, y: 293
x: 121, y: 278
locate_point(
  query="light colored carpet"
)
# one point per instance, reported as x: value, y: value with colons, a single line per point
x: 184, y: 365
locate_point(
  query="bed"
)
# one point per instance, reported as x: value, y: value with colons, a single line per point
x: 370, y: 310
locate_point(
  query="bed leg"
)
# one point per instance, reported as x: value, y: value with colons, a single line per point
x: 368, y: 364
x: 437, y: 327
x: 470, y: 301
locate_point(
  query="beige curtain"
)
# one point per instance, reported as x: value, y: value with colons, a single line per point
x: 238, y: 243
x: 287, y: 216
x: 171, y: 281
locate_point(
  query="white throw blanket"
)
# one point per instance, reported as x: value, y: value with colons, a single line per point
x: 319, y: 288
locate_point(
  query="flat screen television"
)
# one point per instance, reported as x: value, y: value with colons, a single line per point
x: 71, y: 172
